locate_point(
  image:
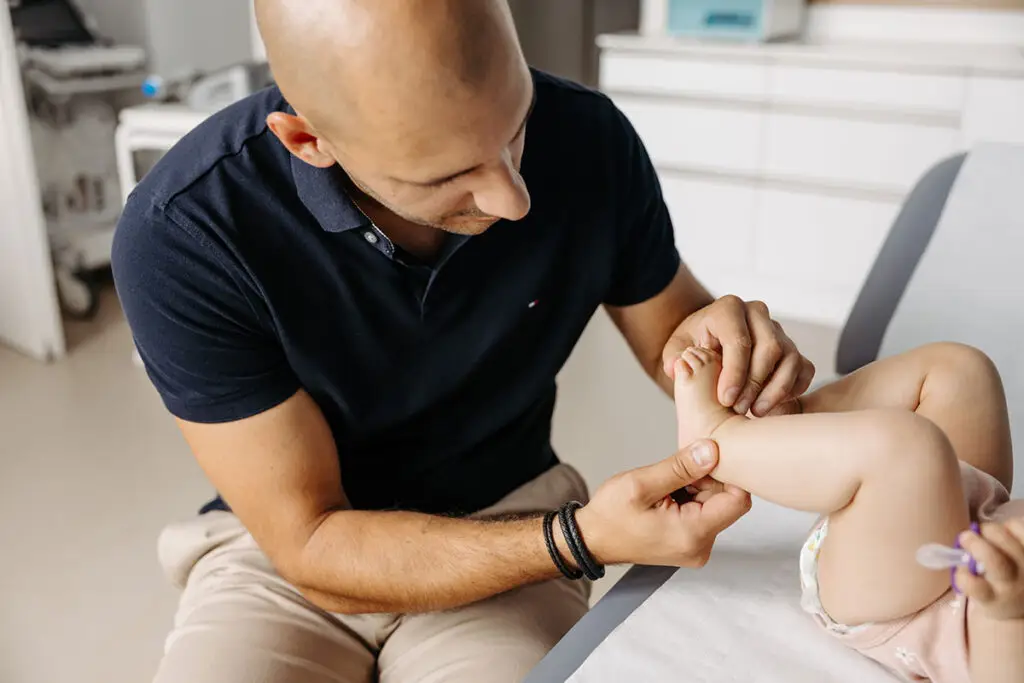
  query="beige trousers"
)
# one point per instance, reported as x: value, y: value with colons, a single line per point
x: 239, y: 622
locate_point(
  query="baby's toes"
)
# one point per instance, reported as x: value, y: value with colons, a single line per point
x: 683, y: 369
x: 706, y: 355
x: 693, y: 357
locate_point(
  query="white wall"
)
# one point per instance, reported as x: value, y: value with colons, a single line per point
x: 879, y: 24
x: 259, y: 50
x: 197, y: 34
x: 933, y: 26
x: 179, y: 35
x: 29, y: 313
x: 123, y: 21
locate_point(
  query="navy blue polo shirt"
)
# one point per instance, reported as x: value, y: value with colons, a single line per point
x: 247, y: 275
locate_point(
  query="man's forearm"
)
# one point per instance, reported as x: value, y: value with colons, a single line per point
x: 363, y: 562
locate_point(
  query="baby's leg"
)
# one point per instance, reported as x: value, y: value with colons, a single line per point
x: 955, y: 386
x: 888, y: 479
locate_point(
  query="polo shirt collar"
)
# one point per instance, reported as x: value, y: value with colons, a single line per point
x: 323, y: 192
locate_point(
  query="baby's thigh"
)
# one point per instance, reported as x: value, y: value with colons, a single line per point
x: 867, y: 565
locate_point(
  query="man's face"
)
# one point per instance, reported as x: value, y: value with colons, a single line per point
x: 455, y: 168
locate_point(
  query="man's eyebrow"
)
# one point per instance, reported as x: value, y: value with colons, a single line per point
x: 448, y: 178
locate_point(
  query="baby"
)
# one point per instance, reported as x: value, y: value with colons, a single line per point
x: 907, y: 451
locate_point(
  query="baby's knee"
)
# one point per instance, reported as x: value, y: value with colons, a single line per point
x: 963, y: 361
x: 904, y: 442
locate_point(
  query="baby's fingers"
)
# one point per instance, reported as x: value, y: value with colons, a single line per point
x: 999, y: 567
x: 974, y: 587
x: 1015, y: 539
x: 1000, y: 536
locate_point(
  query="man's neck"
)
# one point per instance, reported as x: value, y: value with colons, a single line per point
x: 421, y: 241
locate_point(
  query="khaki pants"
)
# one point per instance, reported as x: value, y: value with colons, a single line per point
x: 239, y: 622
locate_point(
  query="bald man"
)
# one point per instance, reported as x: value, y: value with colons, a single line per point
x: 354, y: 292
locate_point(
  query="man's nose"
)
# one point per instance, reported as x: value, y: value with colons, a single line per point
x: 502, y: 192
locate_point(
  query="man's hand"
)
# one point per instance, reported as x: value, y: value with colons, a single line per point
x: 633, y: 519
x: 999, y: 593
x: 762, y: 368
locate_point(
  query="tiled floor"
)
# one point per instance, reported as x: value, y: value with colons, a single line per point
x: 91, y: 467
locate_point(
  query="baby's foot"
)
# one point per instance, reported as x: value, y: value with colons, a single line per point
x: 698, y: 411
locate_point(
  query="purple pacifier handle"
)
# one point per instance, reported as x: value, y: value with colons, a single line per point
x: 972, y: 565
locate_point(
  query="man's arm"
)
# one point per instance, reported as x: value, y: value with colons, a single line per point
x: 279, y: 473
x: 648, y: 326
x: 762, y: 370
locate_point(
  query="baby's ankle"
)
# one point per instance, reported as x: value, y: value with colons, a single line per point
x: 730, y: 421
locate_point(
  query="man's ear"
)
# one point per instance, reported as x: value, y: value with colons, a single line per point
x: 297, y: 136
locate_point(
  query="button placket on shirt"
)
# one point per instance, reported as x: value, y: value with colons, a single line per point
x: 379, y: 241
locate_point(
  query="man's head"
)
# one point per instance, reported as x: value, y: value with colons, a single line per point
x: 422, y: 102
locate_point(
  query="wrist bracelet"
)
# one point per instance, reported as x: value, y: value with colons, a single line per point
x: 556, y: 557
x: 571, y: 530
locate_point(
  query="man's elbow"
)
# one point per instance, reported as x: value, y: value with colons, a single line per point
x: 337, y: 604
x: 301, y: 574
x: 298, y: 577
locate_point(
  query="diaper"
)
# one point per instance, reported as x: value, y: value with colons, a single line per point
x: 928, y: 645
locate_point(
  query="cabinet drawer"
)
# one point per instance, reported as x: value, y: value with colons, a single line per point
x: 873, y: 90
x: 818, y: 239
x: 709, y: 137
x: 995, y: 111
x: 714, y: 223
x: 674, y: 75
x: 857, y: 153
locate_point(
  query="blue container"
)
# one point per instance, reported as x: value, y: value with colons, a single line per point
x: 736, y: 19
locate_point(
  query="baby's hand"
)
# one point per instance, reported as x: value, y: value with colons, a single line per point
x: 999, y: 592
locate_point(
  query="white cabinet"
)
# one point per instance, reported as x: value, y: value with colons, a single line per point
x: 629, y: 72
x: 882, y: 155
x: 994, y: 110
x: 784, y: 166
x: 696, y: 135
x: 817, y: 239
x: 708, y: 214
x: 867, y: 89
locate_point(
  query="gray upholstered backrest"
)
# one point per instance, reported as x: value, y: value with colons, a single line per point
x: 966, y: 285
x: 862, y: 335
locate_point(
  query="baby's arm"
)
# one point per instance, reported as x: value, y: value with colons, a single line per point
x: 995, y: 620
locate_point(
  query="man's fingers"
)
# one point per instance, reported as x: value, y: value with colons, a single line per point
x: 652, y: 483
x: 770, y: 345
x: 707, y: 484
x: 780, y: 386
x: 804, y: 379
x: 721, y: 510
x: 729, y: 329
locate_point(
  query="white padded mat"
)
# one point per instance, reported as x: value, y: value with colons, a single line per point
x: 738, y: 619
x: 967, y: 287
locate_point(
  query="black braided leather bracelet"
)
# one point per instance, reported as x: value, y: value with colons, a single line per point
x: 556, y: 557
x: 567, y: 518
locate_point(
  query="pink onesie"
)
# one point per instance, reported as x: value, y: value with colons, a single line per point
x: 931, y: 644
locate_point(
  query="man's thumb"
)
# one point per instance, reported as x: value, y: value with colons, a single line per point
x: 692, y: 463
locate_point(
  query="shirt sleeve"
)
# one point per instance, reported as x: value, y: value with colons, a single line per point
x: 197, y: 323
x: 647, y: 258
